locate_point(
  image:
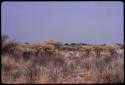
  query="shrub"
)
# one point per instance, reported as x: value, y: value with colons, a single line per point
x: 35, y: 45
x: 112, y: 49
x: 9, y: 47
x: 50, y: 49
x: 69, y: 48
x: 66, y: 44
x: 98, y: 51
x: 83, y: 44
x: 87, y: 49
x: 113, y: 52
x: 26, y: 43
x: 57, y: 44
x: 73, y: 44
x: 109, y: 46
x: 38, y: 48
x: 4, y: 38
x: 120, y: 45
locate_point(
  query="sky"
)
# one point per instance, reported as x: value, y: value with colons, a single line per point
x: 69, y: 22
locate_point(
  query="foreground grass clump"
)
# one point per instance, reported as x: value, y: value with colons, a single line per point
x: 53, y: 62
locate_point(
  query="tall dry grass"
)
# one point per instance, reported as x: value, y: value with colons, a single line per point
x: 52, y: 63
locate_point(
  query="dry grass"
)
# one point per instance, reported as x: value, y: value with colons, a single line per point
x: 33, y: 63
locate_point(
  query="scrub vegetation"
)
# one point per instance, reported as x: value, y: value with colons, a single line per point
x: 56, y: 62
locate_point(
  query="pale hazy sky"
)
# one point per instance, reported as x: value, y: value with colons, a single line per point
x: 87, y: 22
